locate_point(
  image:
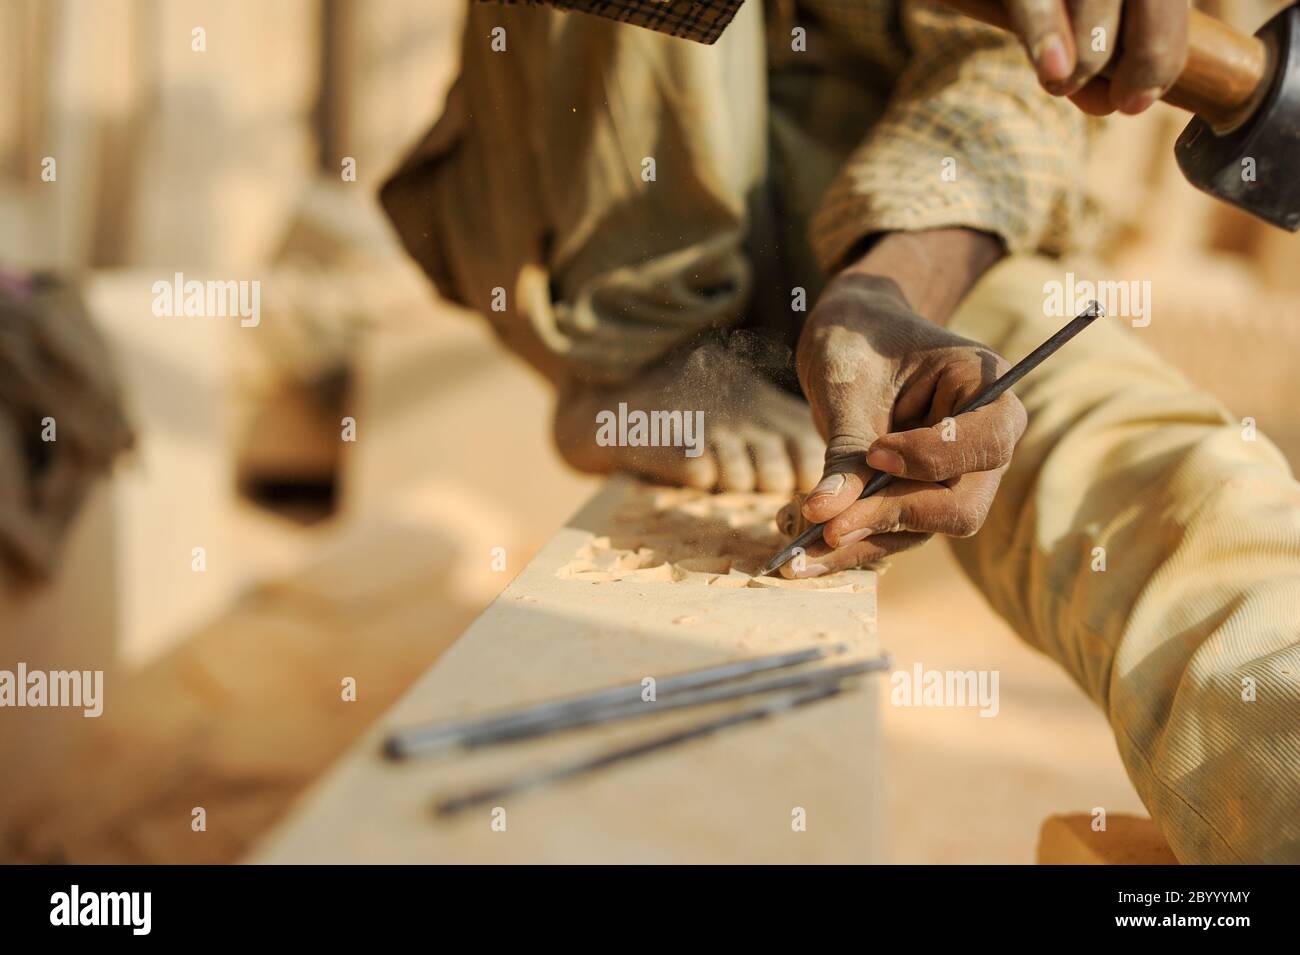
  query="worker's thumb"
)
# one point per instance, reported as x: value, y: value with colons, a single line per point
x: 846, y: 472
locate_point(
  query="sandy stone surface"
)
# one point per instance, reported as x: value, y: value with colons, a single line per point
x: 676, y: 535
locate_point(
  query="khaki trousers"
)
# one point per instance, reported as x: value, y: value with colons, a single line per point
x: 1142, y: 537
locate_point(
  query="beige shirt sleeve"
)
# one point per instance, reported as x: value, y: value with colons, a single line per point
x: 969, y: 139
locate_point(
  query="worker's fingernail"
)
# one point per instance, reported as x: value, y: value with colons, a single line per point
x: 830, y: 484
x: 809, y: 570
x: 1053, y: 64
x: 852, y: 537
x: 885, y: 460
x: 1139, y: 101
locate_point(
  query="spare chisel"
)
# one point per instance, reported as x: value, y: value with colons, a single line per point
x: 574, y: 711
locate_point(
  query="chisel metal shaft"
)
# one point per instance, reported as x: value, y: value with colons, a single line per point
x: 545, y: 717
x: 720, y: 692
x: 492, y: 794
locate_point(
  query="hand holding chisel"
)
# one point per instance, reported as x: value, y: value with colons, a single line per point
x: 985, y: 397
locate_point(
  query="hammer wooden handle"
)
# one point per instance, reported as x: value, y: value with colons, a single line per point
x: 1226, y: 73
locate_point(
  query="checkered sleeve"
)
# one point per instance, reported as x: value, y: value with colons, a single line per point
x: 968, y: 139
x: 700, y: 20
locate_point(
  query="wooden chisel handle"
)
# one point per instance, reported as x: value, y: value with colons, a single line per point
x: 1226, y: 74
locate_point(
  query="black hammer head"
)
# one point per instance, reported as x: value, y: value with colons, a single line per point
x: 1256, y: 167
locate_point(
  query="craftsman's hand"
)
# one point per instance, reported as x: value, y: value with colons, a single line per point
x: 883, y: 384
x: 1070, y: 41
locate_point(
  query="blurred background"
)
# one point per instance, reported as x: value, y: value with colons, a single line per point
x: 325, y: 558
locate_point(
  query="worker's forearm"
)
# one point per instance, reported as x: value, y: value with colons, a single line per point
x: 934, y: 269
